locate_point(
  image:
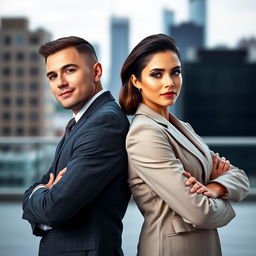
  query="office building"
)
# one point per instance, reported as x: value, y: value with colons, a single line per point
x: 26, y: 103
x: 219, y: 93
x: 168, y: 21
x: 197, y: 12
x: 189, y: 36
x: 119, y: 52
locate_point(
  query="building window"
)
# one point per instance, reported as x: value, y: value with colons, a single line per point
x: 34, y: 71
x: 6, y: 131
x: 7, y: 56
x: 20, y: 131
x: 6, y: 101
x: 34, y: 86
x: 7, y: 40
x: 6, y: 71
x: 34, y: 56
x: 20, y: 56
x: 20, y: 87
x: 20, y: 116
x: 34, y: 40
x: 20, y: 40
x: 20, y: 72
x: 20, y: 101
x: 33, y: 116
x: 6, y: 86
x: 6, y: 116
x: 33, y: 131
x: 33, y: 101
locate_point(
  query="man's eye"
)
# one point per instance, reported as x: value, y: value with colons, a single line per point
x: 70, y: 70
x: 156, y: 75
x: 51, y: 77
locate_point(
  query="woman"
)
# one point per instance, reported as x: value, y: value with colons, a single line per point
x: 181, y: 188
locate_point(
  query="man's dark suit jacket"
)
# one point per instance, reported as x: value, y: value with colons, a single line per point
x: 86, y: 207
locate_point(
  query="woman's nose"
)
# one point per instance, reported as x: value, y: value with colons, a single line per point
x: 168, y: 81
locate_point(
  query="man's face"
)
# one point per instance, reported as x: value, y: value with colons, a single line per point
x: 71, y: 78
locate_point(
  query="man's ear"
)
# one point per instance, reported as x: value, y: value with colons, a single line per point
x: 135, y: 82
x: 97, y: 72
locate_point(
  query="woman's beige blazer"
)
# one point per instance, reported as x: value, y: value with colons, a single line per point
x: 176, y: 221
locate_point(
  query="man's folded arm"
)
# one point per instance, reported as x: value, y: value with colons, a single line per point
x: 95, y: 161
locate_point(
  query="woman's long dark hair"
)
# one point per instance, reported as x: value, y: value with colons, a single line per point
x: 130, y: 96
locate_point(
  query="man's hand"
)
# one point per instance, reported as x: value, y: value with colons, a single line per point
x: 60, y: 174
x: 51, y: 181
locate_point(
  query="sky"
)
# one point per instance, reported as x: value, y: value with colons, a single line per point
x: 227, y: 20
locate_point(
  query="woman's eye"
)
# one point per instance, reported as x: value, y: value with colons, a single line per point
x: 156, y: 75
x: 176, y: 72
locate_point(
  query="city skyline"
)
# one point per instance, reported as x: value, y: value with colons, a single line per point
x: 91, y: 21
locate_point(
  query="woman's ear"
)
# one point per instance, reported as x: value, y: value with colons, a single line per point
x: 97, y: 72
x: 135, y: 82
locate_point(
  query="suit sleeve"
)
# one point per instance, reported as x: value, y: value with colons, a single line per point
x: 151, y: 156
x: 98, y: 153
x: 26, y: 214
x: 235, y: 180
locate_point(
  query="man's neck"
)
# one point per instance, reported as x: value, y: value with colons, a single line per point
x: 87, y: 105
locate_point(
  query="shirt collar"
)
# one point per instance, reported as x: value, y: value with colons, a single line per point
x: 87, y: 105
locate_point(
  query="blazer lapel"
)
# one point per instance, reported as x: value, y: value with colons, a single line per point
x: 101, y: 100
x: 202, y: 151
x: 178, y: 131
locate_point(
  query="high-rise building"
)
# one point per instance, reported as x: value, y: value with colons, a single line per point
x: 26, y: 104
x: 192, y: 34
x: 188, y: 36
x: 197, y: 12
x: 119, y: 52
x: 168, y: 21
x: 219, y: 93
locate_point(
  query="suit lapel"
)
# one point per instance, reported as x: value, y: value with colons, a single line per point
x: 180, y: 133
x: 101, y: 100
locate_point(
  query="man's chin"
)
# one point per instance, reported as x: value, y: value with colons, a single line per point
x: 67, y: 107
x: 72, y: 107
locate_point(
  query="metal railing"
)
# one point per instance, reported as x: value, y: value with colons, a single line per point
x: 24, y: 160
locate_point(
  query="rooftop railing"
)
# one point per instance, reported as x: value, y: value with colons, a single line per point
x: 23, y: 160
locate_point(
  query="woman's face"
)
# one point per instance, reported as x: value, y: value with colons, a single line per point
x: 160, y: 81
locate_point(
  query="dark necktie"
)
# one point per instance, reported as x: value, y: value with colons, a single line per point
x: 69, y: 127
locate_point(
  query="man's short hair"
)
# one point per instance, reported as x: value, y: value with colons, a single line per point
x: 81, y: 45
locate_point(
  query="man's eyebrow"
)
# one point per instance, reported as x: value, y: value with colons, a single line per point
x: 62, y: 68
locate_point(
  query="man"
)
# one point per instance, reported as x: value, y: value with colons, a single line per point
x: 78, y: 205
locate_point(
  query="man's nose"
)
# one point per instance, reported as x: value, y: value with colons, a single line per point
x: 61, y: 81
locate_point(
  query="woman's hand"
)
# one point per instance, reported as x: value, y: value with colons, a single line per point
x: 220, y: 165
x: 212, y: 190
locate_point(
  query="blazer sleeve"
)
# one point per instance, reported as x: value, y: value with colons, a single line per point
x: 98, y: 155
x: 152, y: 158
x: 235, y: 180
x: 236, y: 183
